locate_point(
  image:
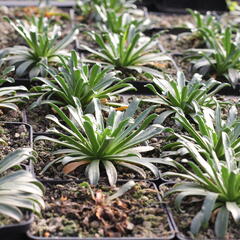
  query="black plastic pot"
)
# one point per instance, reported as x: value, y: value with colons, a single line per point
x: 173, y: 31
x: 179, y: 235
x: 172, y: 230
x: 179, y: 6
x: 230, y: 91
x: 140, y: 88
x: 16, y: 231
x: 18, y: 82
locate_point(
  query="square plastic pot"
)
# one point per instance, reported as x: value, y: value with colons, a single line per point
x: 171, y: 235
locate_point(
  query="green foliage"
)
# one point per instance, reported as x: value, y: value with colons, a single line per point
x: 42, y: 48
x: 204, y: 21
x: 19, y: 189
x: 129, y: 50
x: 79, y: 81
x: 41, y: 25
x: 117, y: 6
x: 218, y: 182
x: 233, y: 5
x: 88, y: 140
x: 222, y: 57
x: 119, y: 23
x: 5, y: 70
x: 9, y: 96
x: 209, y: 133
x: 190, y: 97
x: 91, y: 7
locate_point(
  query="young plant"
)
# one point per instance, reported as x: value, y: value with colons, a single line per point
x: 221, y: 58
x: 41, y: 25
x: 217, y: 182
x: 119, y: 23
x: 88, y: 140
x: 204, y: 21
x: 9, y: 96
x: 117, y: 6
x: 210, y: 133
x: 128, y: 50
x: 5, y: 72
x: 190, y: 97
x: 80, y: 81
x: 19, y: 189
x: 90, y: 8
x: 42, y: 48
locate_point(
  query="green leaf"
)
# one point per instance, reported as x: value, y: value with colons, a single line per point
x: 111, y: 172
x: 221, y: 223
x: 234, y: 209
x: 93, y: 172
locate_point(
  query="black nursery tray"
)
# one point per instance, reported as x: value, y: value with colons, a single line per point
x: 170, y: 229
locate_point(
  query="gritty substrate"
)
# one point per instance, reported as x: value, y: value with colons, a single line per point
x: 14, y: 136
x: 72, y: 211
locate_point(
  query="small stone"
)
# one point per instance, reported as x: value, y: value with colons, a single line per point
x: 13, y: 113
x: 147, y: 224
x: 4, y: 10
x: 101, y: 232
x: 145, y: 198
x: 154, y: 140
x: 158, y: 110
x: 22, y: 129
x: 17, y: 135
x: 130, y: 226
x: 94, y: 224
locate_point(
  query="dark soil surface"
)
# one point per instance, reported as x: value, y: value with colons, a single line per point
x: 178, y: 43
x: 8, y: 36
x: 184, y: 66
x: 190, y: 207
x: 72, y: 211
x: 170, y: 21
x: 9, y: 115
x: 14, y: 136
x: 37, y: 118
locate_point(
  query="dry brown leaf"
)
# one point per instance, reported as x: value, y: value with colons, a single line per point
x: 46, y: 234
x: 104, y: 100
x: 121, y: 108
x: 63, y: 198
x: 72, y: 166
